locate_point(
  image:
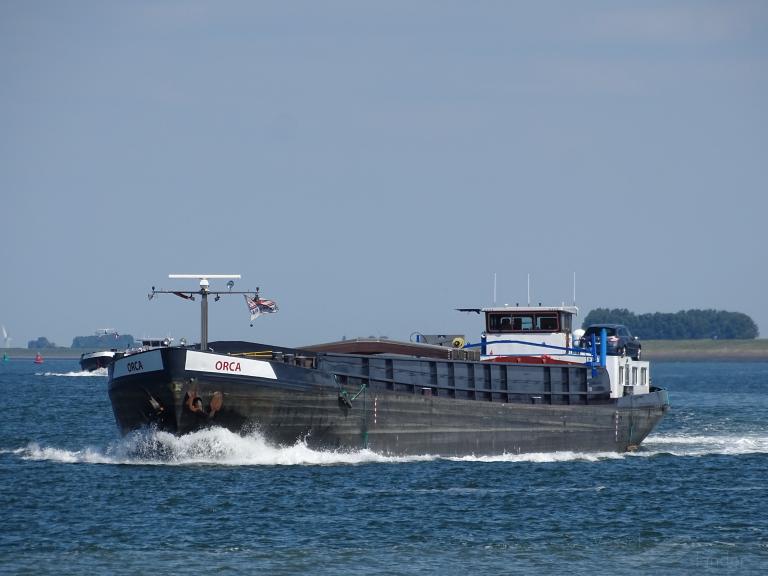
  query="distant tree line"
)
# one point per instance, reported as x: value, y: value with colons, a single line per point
x: 103, y: 341
x: 683, y: 325
x: 41, y: 342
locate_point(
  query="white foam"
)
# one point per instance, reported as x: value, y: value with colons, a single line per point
x: 223, y: 447
x: 215, y: 446
x: 543, y: 457
x: 220, y: 447
x: 98, y: 372
x: 89, y: 455
x: 700, y: 445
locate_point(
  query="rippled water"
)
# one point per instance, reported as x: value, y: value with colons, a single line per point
x: 80, y: 499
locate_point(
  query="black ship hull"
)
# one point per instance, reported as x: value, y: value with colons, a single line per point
x: 389, y: 404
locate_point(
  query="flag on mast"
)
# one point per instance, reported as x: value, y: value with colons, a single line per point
x: 258, y: 306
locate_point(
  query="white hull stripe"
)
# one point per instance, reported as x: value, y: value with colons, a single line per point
x: 219, y: 364
x: 138, y: 364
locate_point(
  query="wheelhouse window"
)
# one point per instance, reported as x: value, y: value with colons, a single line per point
x: 523, y: 322
x: 547, y: 322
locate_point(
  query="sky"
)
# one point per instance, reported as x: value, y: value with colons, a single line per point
x: 372, y: 165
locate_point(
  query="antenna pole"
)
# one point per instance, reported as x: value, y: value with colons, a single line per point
x: 574, y: 288
x: 494, y: 288
x: 204, y: 300
x: 203, y: 315
x: 529, y: 289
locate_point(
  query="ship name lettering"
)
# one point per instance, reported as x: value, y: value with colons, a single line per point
x: 135, y: 366
x: 228, y: 366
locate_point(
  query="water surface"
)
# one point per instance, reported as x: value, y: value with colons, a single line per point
x: 80, y: 499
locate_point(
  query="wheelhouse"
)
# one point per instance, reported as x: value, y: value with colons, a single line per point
x: 530, y: 331
x: 528, y: 321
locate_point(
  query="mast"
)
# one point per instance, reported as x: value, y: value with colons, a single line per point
x: 204, y: 291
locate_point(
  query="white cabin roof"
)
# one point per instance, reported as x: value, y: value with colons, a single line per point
x: 532, y: 309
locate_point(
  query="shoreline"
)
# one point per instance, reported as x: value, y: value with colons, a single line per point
x: 706, y: 350
x: 653, y: 350
x: 52, y: 353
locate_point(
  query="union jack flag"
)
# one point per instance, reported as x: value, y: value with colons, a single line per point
x: 258, y: 306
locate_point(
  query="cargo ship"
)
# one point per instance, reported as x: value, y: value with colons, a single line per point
x: 524, y: 386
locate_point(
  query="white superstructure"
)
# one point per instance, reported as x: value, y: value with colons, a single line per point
x: 546, y: 334
x: 531, y: 331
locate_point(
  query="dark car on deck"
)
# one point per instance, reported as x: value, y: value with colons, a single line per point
x: 620, y: 341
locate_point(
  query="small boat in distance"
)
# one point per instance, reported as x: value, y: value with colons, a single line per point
x: 90, y: 361
x: 38, y: 358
